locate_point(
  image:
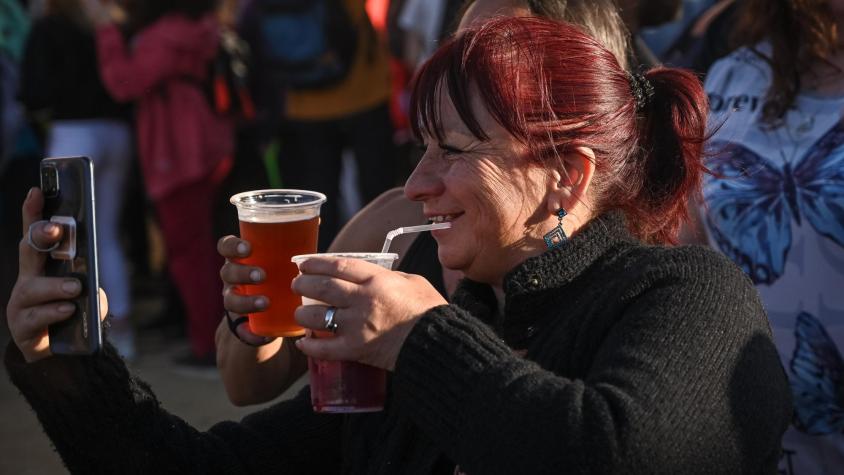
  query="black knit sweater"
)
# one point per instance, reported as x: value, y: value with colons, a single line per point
x: 639, y: 360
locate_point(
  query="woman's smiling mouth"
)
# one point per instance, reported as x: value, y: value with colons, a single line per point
x: 444, y: 218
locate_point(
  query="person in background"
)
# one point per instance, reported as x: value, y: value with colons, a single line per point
x: 14, y: 28
x: 183, y: 146
x: 319, y: 123
x: 775, y: 202
x: 706, y: 39
x: 61, y: 84
x: 255, y: 369
x: 425, y: 23
x: 639, y: 14
x: 659, y: 38
x: 17, y: 172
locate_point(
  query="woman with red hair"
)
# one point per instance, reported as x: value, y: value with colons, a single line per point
x: 578, y: 341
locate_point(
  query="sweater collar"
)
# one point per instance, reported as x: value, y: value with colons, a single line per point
x: 559, y: 266
x: 535, y: 285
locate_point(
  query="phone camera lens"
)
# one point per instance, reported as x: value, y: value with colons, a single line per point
x: 49, y: 181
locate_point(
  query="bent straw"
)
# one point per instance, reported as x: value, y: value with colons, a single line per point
x: 411, y: 229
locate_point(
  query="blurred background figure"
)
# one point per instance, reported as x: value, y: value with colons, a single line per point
x: 424, y: 24
x: 704, y: 37
x: 19, y: 152
x: 641, y: 14
x: 61, y: 86
x: 324, y: 107
x: 14, y: 27
x: 659, y: 38
x: 775, y: 203
x: 184, y: 146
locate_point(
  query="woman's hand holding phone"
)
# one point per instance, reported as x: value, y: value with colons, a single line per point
x: 38, y: 301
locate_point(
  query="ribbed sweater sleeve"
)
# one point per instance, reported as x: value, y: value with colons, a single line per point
x: 667, y: 389
x: 101, y: 419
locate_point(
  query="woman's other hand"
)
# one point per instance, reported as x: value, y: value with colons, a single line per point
x: 376, y: 309
x: 38, y: 301
x: 233, y: 275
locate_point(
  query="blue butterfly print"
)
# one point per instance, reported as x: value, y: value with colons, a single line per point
x: 752, y: 202
x: 817, y: 379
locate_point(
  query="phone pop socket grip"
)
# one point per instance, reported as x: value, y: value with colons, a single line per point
x: 66, y: 250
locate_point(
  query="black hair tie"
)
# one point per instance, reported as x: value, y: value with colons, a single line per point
x: 234, y: 323
x: 643, y: 90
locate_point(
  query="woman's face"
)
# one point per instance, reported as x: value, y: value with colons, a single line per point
x: 493, y: 196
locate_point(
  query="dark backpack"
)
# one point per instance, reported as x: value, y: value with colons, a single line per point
x: 228, y: 79
x: 306, y: 44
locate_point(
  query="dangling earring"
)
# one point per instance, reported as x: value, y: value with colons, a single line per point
x: 557, y: 236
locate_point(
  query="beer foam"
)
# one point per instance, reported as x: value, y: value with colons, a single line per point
x: 277, y: 206
x: 267, y: 217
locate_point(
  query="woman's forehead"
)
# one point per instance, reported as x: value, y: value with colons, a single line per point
x: 454, y: 129
x: 450, y: 119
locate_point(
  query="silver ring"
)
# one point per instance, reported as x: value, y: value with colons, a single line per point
x: 35, y: 246
x: 330, y: 324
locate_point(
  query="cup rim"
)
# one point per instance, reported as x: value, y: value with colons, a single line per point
x: 353, y: 255
x: 237, y: 197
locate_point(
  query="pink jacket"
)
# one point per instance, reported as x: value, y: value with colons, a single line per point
x: 180, y: 139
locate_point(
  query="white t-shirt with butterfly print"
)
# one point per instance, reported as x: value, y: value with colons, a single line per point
x: 776, y: 207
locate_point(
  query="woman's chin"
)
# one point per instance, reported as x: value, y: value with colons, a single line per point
x: 449, y: 260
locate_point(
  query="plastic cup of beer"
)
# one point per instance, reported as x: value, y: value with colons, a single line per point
x: 279, y: 224
x: 346, y: 386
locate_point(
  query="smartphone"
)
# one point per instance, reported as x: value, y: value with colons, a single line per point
x: 68, y: 187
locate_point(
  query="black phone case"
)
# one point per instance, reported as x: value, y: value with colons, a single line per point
x: 73, y: 201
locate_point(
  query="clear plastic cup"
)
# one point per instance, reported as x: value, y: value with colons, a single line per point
x: 279, y: 224
x: 346, y: 386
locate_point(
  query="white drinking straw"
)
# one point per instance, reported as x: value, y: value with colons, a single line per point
x: 411, y: 229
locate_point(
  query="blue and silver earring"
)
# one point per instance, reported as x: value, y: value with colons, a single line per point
x: 556, y: 237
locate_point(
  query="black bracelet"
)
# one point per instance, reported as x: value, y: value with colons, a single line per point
x: 233, y: 324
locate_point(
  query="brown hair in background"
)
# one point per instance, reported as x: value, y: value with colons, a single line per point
x: 801, y: 33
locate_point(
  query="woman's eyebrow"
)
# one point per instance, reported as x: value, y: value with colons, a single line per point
x: 451, y: 148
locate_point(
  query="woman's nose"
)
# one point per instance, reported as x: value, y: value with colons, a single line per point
x: 424, y: 182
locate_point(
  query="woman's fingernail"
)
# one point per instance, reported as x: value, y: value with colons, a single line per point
x: 71, y: 286
x: 29, y: 194
x: 261, y: 303
x: 242, y: 249
x: 49, y: 228
x: 255, y: 275
x: 66, y: 307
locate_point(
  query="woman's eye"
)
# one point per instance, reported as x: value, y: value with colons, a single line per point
x: 450, y: 151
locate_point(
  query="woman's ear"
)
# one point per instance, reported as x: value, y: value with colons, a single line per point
x: 569, y: 184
